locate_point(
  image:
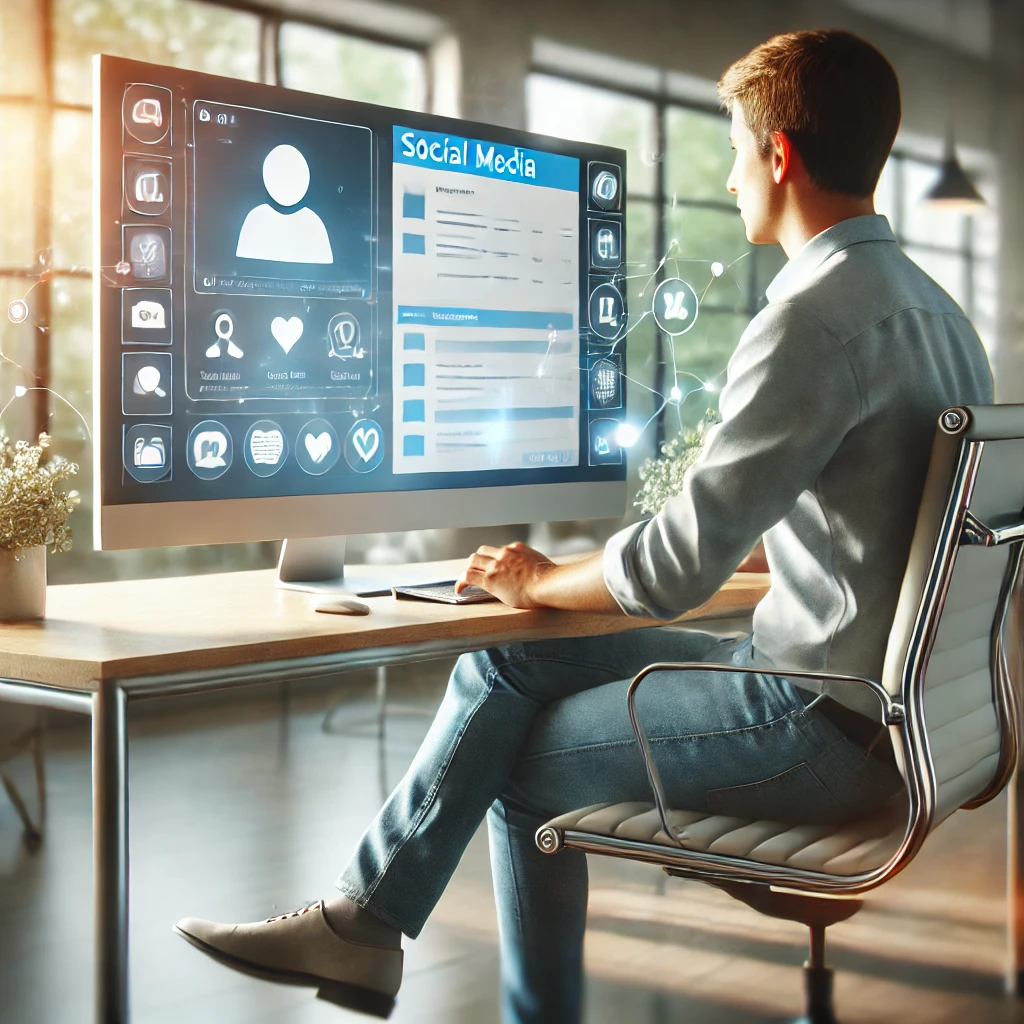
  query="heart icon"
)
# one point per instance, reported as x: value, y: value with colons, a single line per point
x: 286, y: 332
x: 365, y: 442
x: 319, y: 446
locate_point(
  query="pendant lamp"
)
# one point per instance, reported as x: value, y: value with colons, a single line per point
x: 953, y: 190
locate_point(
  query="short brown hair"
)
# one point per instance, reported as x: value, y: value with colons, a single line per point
x: 832, y: 93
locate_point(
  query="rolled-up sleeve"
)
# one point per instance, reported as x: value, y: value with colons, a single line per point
x: 790, y: 399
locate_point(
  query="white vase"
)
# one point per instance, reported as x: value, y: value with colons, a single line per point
x: 22, y: 584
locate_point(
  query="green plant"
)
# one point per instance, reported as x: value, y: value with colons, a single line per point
x: 34, y: 507
x: 662, y: 477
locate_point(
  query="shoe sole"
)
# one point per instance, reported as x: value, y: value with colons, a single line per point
x: 340, y: 993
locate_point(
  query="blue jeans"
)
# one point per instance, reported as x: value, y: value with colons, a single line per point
x: 532, y: 730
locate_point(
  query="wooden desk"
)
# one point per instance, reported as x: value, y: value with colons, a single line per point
x: 103, y: 644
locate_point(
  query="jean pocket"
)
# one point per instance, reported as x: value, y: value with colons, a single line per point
x: 795, y: 795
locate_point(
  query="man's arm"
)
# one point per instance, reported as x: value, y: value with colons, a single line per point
x: 524, y: 578
x: 790, y: 400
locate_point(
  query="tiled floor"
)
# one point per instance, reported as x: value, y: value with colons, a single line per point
x: 239, y: 811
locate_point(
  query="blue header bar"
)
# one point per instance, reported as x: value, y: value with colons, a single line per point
x: 521, y: 319
x: 486, y: 159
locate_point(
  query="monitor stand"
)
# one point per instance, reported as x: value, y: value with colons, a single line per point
x: 317, y: 564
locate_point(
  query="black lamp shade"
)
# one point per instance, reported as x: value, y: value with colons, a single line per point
x: 953, y: 190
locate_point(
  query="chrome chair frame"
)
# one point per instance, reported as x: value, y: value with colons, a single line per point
x: 904, y: 715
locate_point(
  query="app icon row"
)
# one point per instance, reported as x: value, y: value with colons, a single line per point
x: 209, y: 450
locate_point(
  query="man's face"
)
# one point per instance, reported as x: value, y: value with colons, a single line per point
x: 752, y: 183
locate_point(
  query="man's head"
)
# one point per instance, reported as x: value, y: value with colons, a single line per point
x: 814, y: 112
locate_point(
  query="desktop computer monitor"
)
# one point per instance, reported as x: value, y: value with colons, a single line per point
x: 316, y: 317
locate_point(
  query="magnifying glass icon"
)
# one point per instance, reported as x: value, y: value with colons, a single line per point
x: 224, y: 327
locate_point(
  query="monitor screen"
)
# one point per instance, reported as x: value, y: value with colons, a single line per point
x: 299, y: 297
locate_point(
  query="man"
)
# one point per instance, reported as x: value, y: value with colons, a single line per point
x: 828, y: 417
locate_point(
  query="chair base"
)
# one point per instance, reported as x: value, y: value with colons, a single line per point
x: 818, y: 1005
x: 815, y: 912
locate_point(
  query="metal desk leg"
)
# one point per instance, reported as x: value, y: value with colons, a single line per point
x: 110, y: 852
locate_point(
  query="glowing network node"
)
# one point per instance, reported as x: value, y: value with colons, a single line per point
x: 20, y: 391
x: 676, y: 393
x: 17, y: 311
x: 717, y: 269
x: 675, y: 306
x: 626, y: 434
x: 123, y: 268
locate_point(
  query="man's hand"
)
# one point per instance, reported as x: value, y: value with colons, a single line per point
x: 524, y: 578
x: 511, y: 573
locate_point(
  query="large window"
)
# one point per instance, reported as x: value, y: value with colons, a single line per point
x: 46, y: 49
x: 681, y: 222
x: 955, y: 249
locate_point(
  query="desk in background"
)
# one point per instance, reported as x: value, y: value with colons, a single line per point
x: 105, y: 644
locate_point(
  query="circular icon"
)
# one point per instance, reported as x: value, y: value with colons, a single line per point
x: 17, y: 311
x: 147, y: 452
x: 146, y: 111
x: 605, y: 190
x: 343, y: 337
x: 607, y: 312
x: 364, y: 446
x: 675, y: 306
x: 209, y: 451
x: 316, y: 447
x: 266, y: 448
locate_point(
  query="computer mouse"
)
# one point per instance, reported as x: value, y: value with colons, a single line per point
x: 338, y: 604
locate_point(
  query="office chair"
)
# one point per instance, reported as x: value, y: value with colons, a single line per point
x: 947, y: 695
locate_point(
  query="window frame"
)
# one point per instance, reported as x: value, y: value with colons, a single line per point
x: 45, y: 106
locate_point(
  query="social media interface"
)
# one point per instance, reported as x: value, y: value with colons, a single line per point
x: 352, y: 299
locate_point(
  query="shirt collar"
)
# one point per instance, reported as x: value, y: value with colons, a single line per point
x: 869, y: 228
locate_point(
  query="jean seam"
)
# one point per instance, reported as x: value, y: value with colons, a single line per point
x: 612, y: 744
x: 425, y: 804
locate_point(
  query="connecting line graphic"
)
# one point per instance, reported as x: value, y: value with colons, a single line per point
x: 628, y: 435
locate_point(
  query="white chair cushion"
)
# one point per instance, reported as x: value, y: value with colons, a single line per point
x: 830, y: 849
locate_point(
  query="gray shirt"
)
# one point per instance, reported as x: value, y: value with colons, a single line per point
x: 828, y: 418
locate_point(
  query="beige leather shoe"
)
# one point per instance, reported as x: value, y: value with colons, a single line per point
x: 302, y: 948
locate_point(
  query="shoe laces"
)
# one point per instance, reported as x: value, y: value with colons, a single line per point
x: 315, y: 905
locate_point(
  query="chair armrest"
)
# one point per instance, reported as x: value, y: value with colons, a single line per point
x: 1005, y: 531
x: 892, y: 713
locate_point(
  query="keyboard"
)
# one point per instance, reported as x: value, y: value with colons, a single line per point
x: 444, y: 592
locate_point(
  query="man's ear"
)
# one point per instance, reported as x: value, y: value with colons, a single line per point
x: 782, y: 156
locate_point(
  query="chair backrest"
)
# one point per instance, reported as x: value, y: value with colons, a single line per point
x: 954, y: 646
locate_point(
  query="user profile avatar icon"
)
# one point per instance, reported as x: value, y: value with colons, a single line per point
x: 209, y: 450
x: 268, y: 234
